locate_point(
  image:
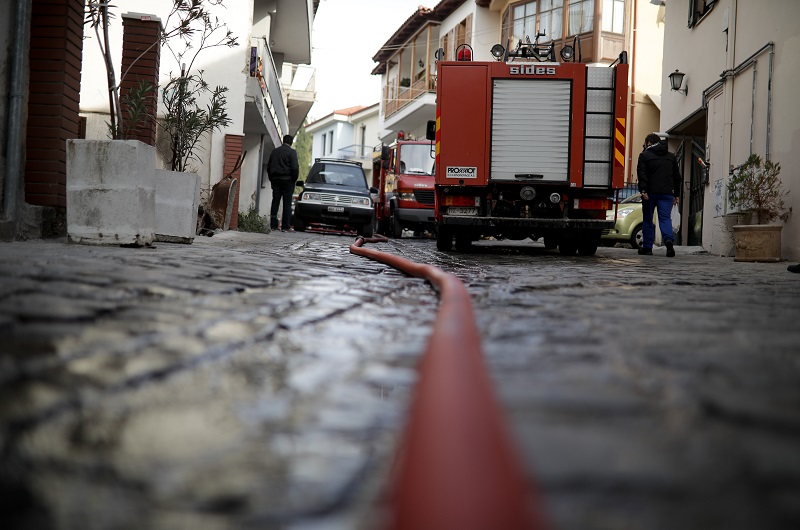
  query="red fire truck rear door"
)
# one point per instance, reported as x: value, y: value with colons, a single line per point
x: 463, y: 101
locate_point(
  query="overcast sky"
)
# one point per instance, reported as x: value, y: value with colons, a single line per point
x: 346, y: 35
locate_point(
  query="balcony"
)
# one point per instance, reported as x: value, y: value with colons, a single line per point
x: 298, y: 82
x: 405, y: 108
x: 358, y: 152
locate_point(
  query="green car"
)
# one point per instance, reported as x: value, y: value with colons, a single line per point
x: 628, y: 228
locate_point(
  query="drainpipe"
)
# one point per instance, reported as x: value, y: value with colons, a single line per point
x: 259, y: 174
x: 769, y: 99
x: 753, y: 106
x: 15, y: 130
x: 730, y: 61
x: 633, y: 93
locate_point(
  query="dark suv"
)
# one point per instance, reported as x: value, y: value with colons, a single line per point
x: 336, y: 195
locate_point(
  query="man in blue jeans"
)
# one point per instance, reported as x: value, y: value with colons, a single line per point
x: 660, y: 186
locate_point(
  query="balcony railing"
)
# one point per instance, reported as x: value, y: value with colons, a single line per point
x: 358, y: 152
x: 271, y: 91
x: 399, y: 97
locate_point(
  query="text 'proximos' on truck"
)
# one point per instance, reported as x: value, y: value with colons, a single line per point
x: 528, y: 147
x: 403, y: 174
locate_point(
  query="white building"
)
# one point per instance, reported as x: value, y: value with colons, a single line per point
x: 350, y: 133
x: 738, y: 95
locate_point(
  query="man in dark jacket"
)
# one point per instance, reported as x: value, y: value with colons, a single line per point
x: 283, y: 169
x: 660, y: 185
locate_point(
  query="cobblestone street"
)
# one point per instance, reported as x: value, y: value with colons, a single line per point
x: 261, y: 381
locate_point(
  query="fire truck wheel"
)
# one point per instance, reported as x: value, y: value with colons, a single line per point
x: 587, y: 248
x: 463, y: 242
x: 444, y: 239
x: 397, y: 228
x: 567, y: 248
x: 383, y: 227
x: 550, y: 243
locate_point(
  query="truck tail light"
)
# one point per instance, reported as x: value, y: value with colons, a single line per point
x: 592, y: 204
x: 461, y: 200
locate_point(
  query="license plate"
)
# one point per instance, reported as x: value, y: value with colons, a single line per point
x: 460, y: 210
x: 337, y: 209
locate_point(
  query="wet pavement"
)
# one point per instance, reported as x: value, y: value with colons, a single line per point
x: 260, y: 381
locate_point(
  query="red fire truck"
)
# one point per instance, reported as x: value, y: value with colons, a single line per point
x: 528, y: 147
x: 403, y: 174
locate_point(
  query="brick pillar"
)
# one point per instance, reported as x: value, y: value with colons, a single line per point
x: 233, y: 148
x: 54, y: 95
x: 141, y: 58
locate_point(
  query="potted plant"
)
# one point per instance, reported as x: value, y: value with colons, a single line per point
x: 111, y: 183
x: 756, y: 189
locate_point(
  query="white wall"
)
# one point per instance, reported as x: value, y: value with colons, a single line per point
x: 703, y: 53
x: 342, y: 136
x: 485, y: 32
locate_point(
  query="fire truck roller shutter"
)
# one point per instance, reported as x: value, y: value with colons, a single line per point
x: 598, y: 149
x: 530, y: 129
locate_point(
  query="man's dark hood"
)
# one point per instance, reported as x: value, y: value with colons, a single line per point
x: 659, y: 149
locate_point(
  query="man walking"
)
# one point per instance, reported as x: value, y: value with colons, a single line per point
x: 283, y: 170
x: 660, y: 185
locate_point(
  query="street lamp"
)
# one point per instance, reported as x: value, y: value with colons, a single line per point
x: 676, y: 80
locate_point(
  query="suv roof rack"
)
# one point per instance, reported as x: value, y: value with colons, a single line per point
x: 338, y: 160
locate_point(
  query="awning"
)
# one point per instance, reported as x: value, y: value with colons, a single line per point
x: 692, y: 125
x: 656, y: 99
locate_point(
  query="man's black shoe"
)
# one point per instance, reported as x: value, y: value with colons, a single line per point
x: 793, y: 268
x: 645, y: 251
x: 670, y: 249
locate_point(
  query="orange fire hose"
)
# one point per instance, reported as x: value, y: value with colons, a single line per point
x: 456, y: 467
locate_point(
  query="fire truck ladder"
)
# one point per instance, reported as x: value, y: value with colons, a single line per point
x: 599, y: 142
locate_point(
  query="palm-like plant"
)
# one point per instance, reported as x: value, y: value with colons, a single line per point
x: 185, y: 120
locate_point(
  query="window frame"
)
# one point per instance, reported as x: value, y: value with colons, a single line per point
x: 551, y: 11
x: 615, y: 4
x: 581, y: 30
x: 696, y: 16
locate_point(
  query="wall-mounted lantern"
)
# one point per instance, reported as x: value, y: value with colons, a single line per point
x: 676, y: 80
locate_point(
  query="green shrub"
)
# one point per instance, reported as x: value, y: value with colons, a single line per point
x: 252, y: 222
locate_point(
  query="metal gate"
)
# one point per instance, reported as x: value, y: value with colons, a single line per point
x: 697, y: 186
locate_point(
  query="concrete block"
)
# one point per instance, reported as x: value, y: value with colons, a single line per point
x: 177, y: 201
x: 110, y: 192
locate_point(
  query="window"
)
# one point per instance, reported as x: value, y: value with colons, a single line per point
x: 524, y: 22
x: 581, y: 16
x: 613, y: 15
x: 324, y: 143
x: 519, y: 21
x: 698, y: 9
x: 551, y: 17
x: 330, y: 142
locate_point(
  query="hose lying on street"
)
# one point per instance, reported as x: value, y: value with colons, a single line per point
x: 456, y: 466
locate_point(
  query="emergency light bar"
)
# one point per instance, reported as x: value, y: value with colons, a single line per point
x: 534, y: 50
